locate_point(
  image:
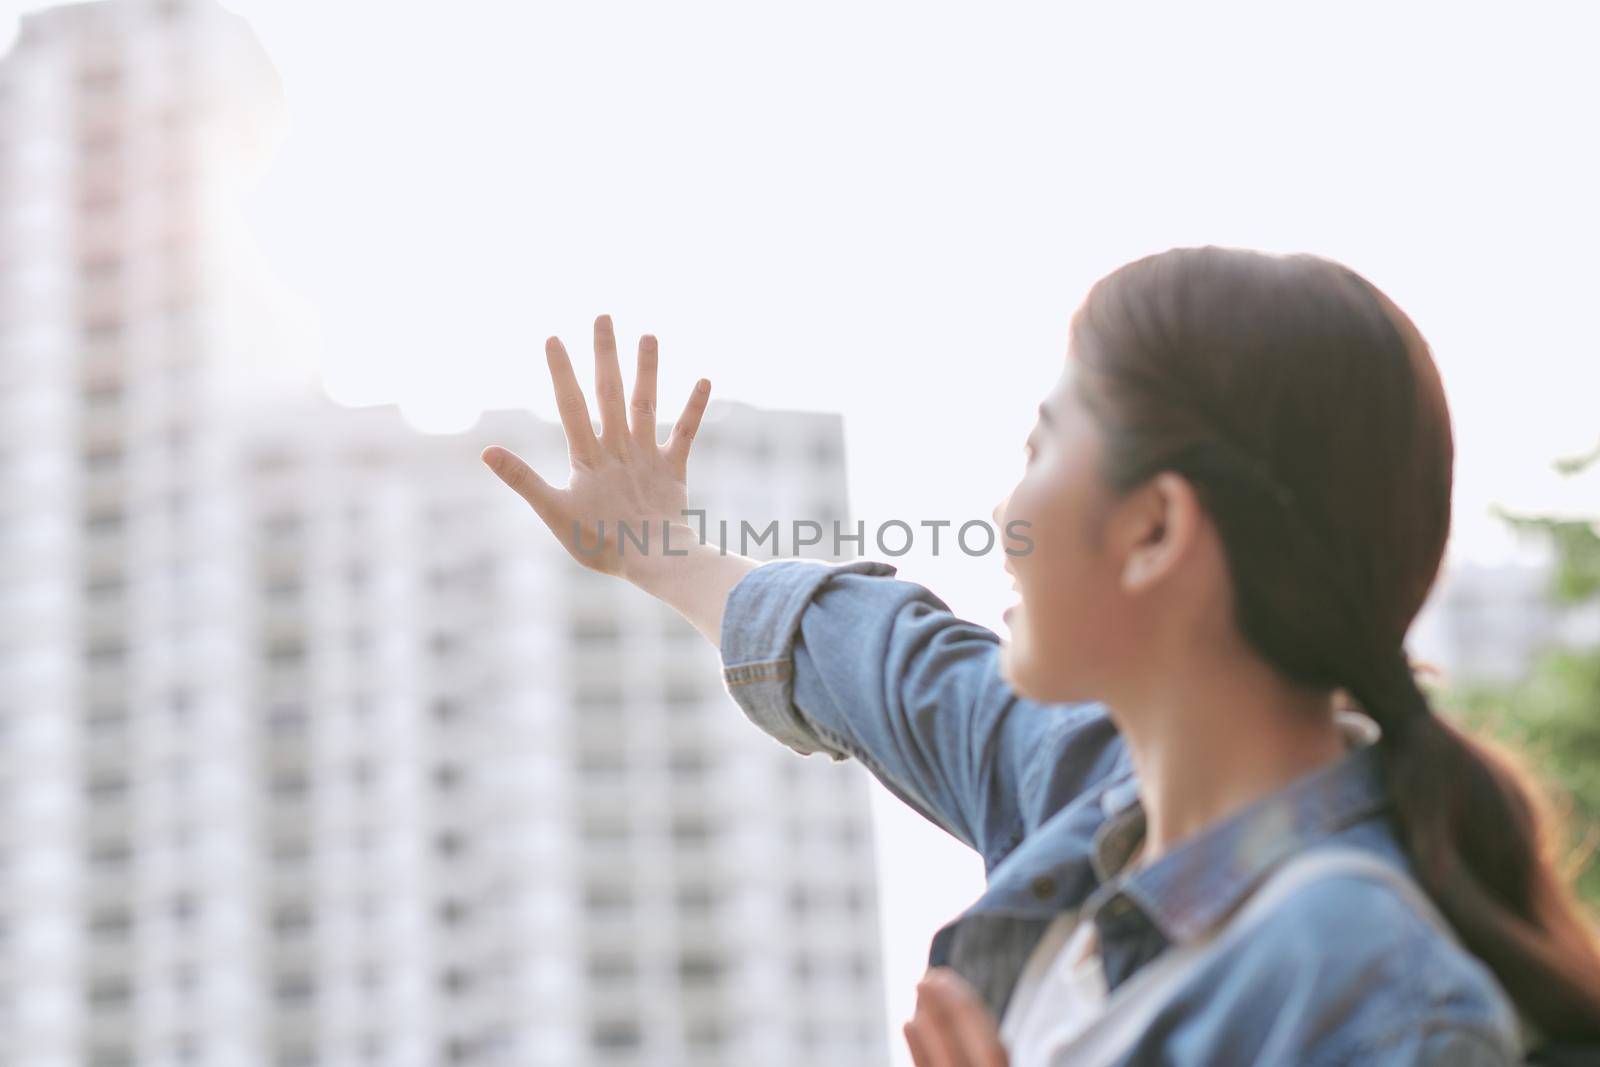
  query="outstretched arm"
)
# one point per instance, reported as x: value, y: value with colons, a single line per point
x: 843, y: 658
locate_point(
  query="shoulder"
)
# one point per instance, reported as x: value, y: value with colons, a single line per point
x: 1375, y: 980
x: 1072, y: 753
x: 1345, y: 970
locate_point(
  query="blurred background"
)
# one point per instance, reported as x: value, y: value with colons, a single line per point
x: 315, y: 749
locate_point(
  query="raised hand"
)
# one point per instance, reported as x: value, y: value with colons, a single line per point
x: 621, y: 476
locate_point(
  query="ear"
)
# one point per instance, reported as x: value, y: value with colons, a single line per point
x: 1159, y: 527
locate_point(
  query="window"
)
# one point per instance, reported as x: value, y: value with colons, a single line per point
x: 700, y: 968
x: 99, y: 78
x: 696, y: 901
x: 604, y: 829
x: 607, y: 900
x: 599, y: 696
x: 110, y: 991
x: 100, y: 269
x: 804, y: 969
x: 603, y: 631
x: 825, y: 452
x: 107, y: 719
x: 107, y: 785
x: 601, y: 762
x: 281, y: 525
x: 456, y: 981
x: 854, y: 900
x: 688, y: 763
x: 104, y: 586
x: 799, y: 900
x: 285, y: 651
x: 288, y: 784
x: 106, y: 652
x: 290, y: 848
x: 287, y: 720
x: 614, y: 1033
x: 681, y: 696
x: 453, y: 912
x: 100, y: 459
x: 706, y: 1034
x: 293, y: 917
x: 272, y: 461
x: 111, y: 923
x: 611, y: 968
x: 281, y: 587
x: 295, y: 987
x: 690, y: 830
x: 102, y: 330
x: 103, y: 522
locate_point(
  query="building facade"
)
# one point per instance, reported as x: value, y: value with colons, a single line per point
x: 315, y: 747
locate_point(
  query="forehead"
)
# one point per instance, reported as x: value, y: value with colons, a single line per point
x: 1061, y: 402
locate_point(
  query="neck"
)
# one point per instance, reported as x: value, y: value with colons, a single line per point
x: 1209, y: 743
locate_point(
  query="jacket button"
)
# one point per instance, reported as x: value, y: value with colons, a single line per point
x: 1043, y: 887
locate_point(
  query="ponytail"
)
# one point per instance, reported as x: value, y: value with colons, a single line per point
x: 1484, y: 847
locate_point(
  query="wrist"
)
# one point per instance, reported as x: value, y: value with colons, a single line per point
x: 671, y: 544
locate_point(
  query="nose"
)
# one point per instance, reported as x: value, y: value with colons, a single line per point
x: 998, y: 514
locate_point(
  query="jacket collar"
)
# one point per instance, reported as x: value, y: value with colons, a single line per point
x: 1190, y: 889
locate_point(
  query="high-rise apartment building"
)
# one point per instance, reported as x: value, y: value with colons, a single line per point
x: 315, y: 748
x: 511, y: 810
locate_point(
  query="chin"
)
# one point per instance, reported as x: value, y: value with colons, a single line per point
x: 1014, y: 669
x: 1042, y: 683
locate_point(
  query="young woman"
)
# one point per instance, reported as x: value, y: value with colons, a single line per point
x: 1220, y: 822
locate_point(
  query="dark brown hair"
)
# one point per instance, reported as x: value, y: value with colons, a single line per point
x: 1306, y: 410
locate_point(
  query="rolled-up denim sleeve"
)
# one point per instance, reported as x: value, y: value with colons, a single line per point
x: 848, y: 659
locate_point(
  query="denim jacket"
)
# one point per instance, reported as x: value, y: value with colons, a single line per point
x: 847, y: 659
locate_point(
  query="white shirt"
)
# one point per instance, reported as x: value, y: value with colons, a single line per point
x: 1060, y: 990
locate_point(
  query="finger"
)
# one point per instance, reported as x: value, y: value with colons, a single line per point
x: 510, y: 468
x: 688, y: 426
x: 644, y: 392
x: 574, y: 409
x: 920, y: 1056
x: 967, y: 1018
x: 938, y: 1045
x: 608, y: 385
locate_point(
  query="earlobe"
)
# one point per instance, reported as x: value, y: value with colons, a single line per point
x: 1139, y: 568
x: 1153, y: 545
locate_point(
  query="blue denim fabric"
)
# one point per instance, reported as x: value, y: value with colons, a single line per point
x: 849, y: 660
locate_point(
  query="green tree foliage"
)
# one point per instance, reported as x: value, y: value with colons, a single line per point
x: 1552, y: 715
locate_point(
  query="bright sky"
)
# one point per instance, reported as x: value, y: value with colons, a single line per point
x: 891, y: 210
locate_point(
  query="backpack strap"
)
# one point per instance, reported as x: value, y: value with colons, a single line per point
x: 1133, y: 1005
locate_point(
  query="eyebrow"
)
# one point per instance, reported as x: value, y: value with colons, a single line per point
x: 1044, y: 416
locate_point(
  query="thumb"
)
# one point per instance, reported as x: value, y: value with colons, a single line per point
x: 510, y: 468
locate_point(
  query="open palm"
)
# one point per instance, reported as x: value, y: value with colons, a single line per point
x: 621, y: 476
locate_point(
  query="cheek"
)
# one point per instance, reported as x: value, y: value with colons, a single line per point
x: 1066, y: 624
x: 1042, y: 530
